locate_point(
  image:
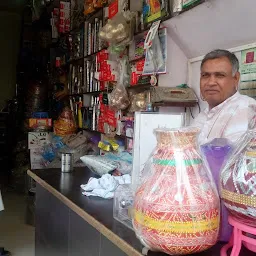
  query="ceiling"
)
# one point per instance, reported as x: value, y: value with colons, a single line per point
x: 12, y: 5
x: 215, y: 24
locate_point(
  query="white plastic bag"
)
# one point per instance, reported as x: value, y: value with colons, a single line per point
x: 99, y: 164
x: 118, y: 98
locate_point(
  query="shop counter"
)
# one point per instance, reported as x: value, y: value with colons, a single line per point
x: 71, y: 224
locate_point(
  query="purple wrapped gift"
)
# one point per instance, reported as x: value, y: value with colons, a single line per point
x: 215, y: 153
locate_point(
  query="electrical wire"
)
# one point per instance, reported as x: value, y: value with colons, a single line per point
x: 191, y: 113
x: 199, y: 108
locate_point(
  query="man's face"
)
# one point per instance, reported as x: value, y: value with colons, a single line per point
x: 217, y: 82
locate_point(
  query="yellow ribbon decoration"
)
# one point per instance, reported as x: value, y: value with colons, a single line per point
x: 238, y: 198
x: 177, y: 227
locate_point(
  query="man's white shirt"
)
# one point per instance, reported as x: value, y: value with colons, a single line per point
x: 229, y: 119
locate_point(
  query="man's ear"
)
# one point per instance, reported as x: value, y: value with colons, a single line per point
x: 237, y: 77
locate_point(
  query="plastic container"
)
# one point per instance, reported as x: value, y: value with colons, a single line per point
x: 215, y: 153
x: 123, y: 205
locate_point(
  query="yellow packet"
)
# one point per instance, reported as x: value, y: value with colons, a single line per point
x: 103, y: 146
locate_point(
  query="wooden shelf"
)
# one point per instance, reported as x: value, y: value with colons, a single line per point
x: 117, y: 136
x: 74, y: 60
x: 175, y: 104
x: 140, y: 86
x: 133, y: 87
x: 138, y: 59
x: 75, y: 95
x: 86, y: 18
x: 93, y: 54
x: 168, y: 17
x: 81, y: 58
x: 64, y: 65
x: 89, y: 93
x: 95, y: 13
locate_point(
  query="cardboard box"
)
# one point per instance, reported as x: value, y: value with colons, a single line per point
x: 36, y: 159
x: 38, y: 139
x: 42, y: 122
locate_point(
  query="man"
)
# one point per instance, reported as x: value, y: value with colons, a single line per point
x: 3, y: 252
x: 228, y: 112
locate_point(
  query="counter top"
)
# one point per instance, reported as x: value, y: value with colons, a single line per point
x: 96, y: 211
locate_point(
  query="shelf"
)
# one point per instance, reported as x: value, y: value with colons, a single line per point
x: 138, y: 59
x: 142, y: 31
x: 175, y: 104
x: 86, y: 18
x: 91, y: 15
x: 70, y: 62
x: 81, y: 58
x: 74, y: 60
x: 75, y: 95
x: 192, y: 6
x: 149, y: 25
x: 88, y: 130
x: 140, y: 86
x: 168, y: 17
x: 89, y: 93
x: 93, y: 54
x: 134, y: 87
x: 118, y: 136
x: 69, y: 32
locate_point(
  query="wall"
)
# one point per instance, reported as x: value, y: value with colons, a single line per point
x: 176, y: 63
x: 10, y: 26
x: 214, y: 24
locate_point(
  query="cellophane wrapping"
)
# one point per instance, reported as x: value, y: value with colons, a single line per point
x: 238, y: 176
x: 118, y: 98
x: 65, y: 125
x: 215, y: 154
x: 176, y: 206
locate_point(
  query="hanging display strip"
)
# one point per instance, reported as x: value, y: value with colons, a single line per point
x: 150, y: 66
x: 92, y: 41
x: 154, y: 10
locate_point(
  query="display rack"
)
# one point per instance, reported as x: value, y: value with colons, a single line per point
x: 175, y: 104
x: 82, y: 69
x: 116, y: 135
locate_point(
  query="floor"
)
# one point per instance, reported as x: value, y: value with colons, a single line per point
x: 15, y: 235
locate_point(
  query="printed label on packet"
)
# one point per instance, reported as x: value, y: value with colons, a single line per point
x: 113, y: 9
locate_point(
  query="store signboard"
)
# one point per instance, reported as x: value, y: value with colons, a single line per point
x: 248, y: 65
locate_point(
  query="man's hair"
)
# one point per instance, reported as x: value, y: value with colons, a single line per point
x: 222, y: 53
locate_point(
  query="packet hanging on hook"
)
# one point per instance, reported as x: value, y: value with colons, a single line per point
x: 177, y: 6
x: 154, y: 60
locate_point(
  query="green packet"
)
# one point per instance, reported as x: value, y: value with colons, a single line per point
x: 188, y: 3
